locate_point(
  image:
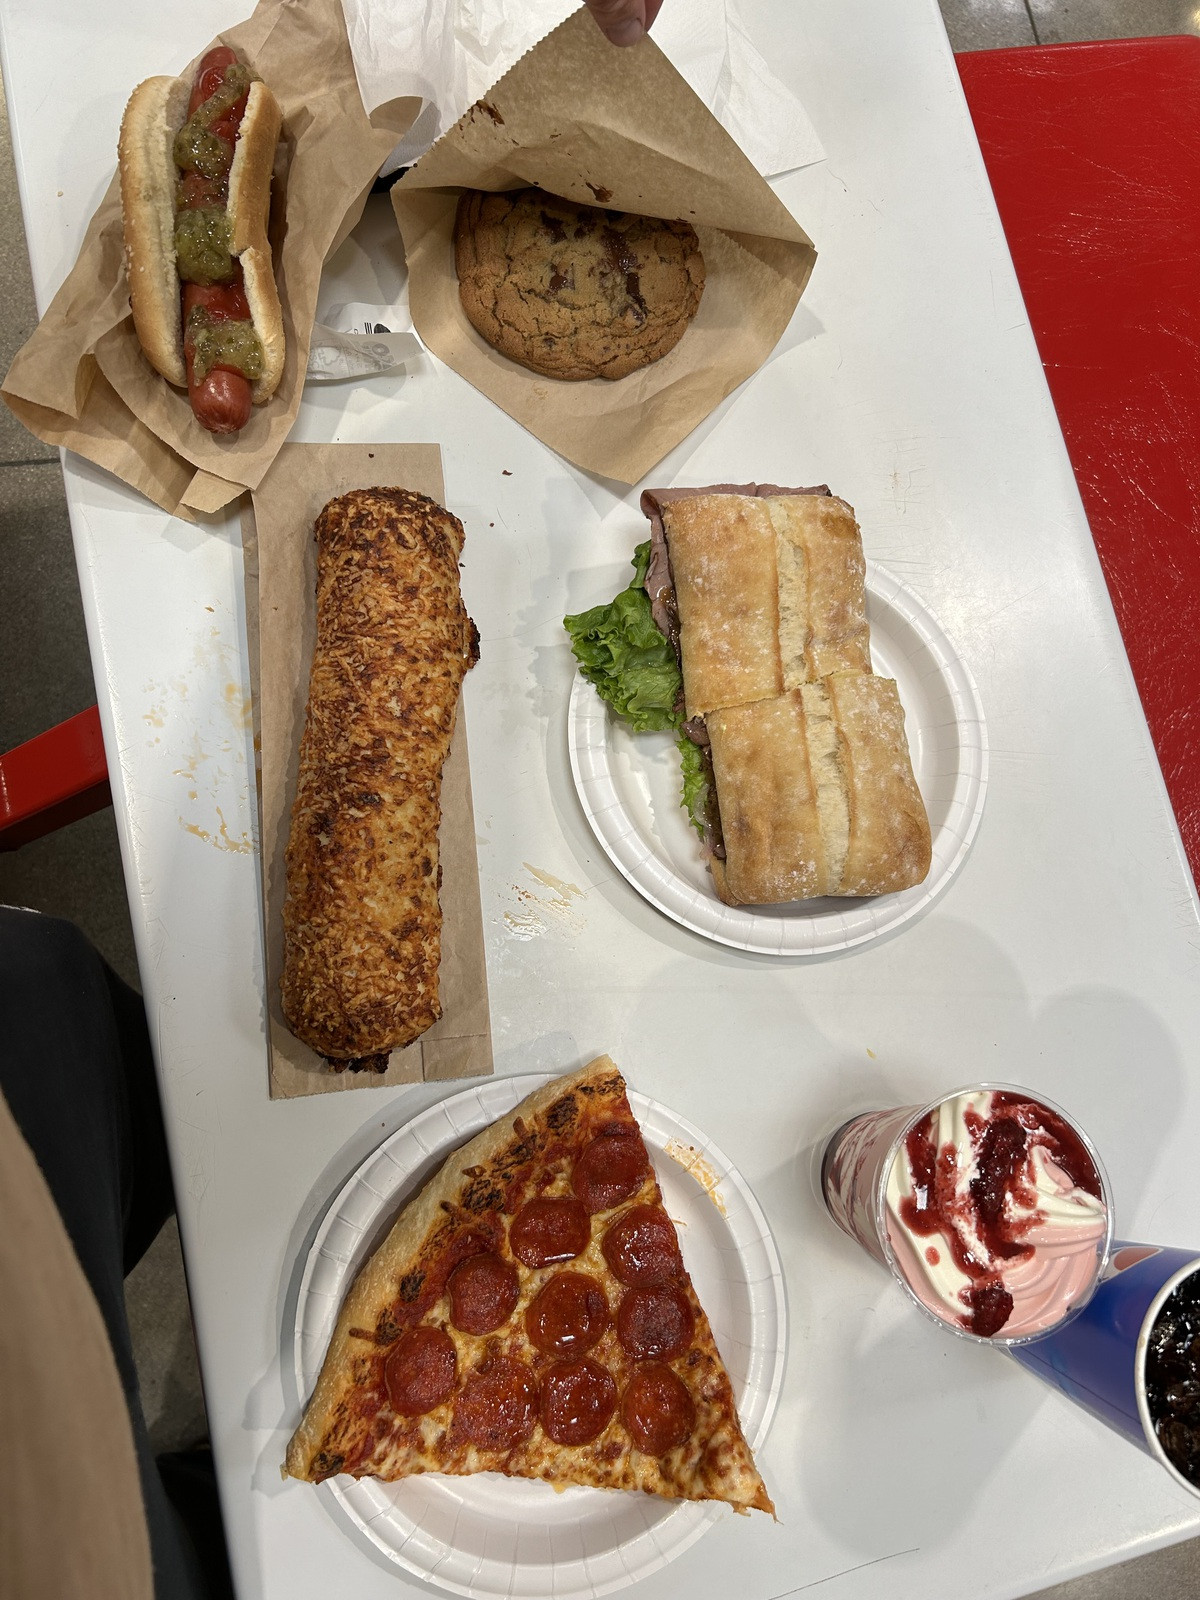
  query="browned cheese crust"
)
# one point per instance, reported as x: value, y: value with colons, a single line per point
x: 572, y: 291
x: 349, y: 1425
x: 362, y: 922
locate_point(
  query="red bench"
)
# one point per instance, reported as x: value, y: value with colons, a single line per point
x: 1094, y: 160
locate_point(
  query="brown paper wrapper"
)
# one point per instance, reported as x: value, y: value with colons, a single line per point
x: 618, y: 127
x: 280, y: 554
x: 82, y: 380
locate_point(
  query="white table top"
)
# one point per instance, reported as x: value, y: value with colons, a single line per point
x: 1063, y: 957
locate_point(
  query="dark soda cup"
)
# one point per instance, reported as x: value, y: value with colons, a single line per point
x: 1133, y: 1351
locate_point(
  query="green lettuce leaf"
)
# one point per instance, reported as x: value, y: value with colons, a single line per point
x: 695, y: 785
x: 620, y: 650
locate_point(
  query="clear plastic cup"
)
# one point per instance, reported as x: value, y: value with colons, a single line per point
x: 855, y: 1169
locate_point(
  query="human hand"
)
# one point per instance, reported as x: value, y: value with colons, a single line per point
x: 624, y: 21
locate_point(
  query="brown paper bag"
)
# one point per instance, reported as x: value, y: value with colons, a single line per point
x: 82, y: 380
x: 583, y: 119
x: 281, y: 567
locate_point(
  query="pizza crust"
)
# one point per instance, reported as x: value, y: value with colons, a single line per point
x: 374, y: 1288
x: 713, y: 1463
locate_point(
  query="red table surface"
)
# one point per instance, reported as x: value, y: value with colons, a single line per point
x: 1093, y: 151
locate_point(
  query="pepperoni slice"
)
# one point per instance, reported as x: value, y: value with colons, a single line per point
x: 655, y: 1324
x: 497, y: 1408
x: 641, y: 1248
x: 568, y: 1314
x: 611, y: 1168
x: 484, y: 1291
x: 578, y: 1398
x: 420, y: 1372
x: 549, y: 1230
x: 657, y: 1410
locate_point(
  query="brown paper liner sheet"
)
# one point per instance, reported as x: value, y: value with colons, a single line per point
x: 280, y: 553
x: 82, y: 381
x: 621, y: 128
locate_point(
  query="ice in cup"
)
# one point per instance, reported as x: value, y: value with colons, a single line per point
x: 1171, y: 1377
x: 1132, y: 1356
x: 988, y: 1205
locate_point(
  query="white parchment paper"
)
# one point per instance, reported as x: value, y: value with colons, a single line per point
x: 450, y: 52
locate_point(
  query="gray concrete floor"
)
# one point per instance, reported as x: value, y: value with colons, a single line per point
x: 46, y: 676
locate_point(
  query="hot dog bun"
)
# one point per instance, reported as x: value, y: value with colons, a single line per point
x: 155, y: 112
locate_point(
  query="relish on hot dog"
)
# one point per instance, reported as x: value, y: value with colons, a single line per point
x: 196, y: 164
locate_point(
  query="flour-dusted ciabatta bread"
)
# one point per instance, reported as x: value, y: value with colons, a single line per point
x: 766, y: 584
x: 797, y: 771
x: 817, y: 794
x: 811, y: 791
x: 530, y: 1313
x: 362, y: 920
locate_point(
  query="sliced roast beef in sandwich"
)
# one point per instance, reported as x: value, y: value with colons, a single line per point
x: 800, y: 779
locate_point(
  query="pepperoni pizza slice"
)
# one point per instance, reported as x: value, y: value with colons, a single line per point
x: 530, y: 1313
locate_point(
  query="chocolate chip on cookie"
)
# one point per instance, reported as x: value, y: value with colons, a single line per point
x: 574, y: 291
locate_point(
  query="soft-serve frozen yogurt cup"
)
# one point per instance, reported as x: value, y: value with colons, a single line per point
x: 989, y: 1206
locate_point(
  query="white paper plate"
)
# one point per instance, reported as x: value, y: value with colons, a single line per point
x: 494, y: 1536
x: 629, y: 786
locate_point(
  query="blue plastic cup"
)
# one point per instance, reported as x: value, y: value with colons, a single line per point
x: 1099, y: 1358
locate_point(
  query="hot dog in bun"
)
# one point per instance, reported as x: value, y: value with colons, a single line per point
x: 196, y: 161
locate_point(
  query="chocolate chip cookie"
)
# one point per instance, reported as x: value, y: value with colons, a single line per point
x: 574, y: 291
